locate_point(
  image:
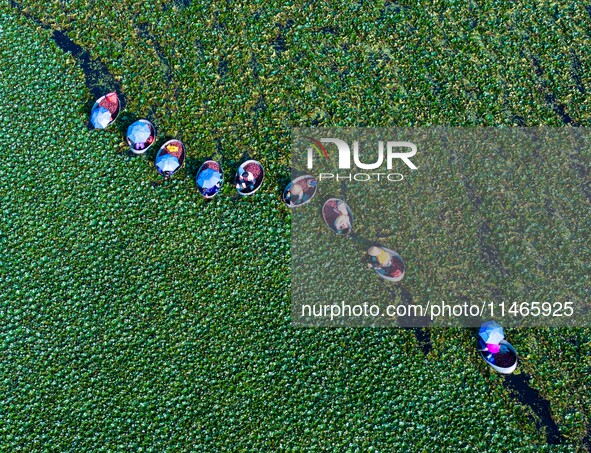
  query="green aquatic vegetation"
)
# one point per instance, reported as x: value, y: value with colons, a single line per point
x: 140, y: 317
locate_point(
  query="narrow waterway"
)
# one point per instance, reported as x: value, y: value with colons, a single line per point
x: 519, y: 388
x: 98, y: 79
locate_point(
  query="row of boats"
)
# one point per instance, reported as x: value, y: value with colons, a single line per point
x: 337, y: 215
x: 141, y: 135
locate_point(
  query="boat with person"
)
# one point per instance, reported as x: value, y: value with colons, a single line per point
x: 495, y: 350
x: 105, y: 111
x: 170, y: 158
x: 337, y: 216
x: 140, y: 136
x: 504, y: 361
x: 387, y: 263
x: 209, y: 179
x: 300, y: 191
x: 249, y: 177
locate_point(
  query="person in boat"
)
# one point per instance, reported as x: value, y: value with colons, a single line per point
x: 342, y: 223
x: 246, y: 181
x: 301, y: 192
x: 491, y: 348
x: 295, y: 195
x: 499, y: 355
x: 379, y: 259
x: 495, y: 350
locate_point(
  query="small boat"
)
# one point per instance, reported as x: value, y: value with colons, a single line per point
x: 337, y: 216
x: 504, y: 361
x: 170, y: 158
x: 209, y: 179
x: 300, y: 191
x: 140, y: 136
x: 105, y: 111
x: 394, y: 269
x: 249, y: 177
